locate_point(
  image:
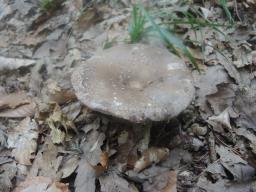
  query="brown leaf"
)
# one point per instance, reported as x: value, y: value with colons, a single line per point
x: 99, y: 169
x: 27, y: 110
x: 89, y: 17
x: 59, y: 94
x: 47, y: 161
x: 150, y: 156
x: 23, y: 141
x: 114, y: 183
x: 164, y: 182
x: 14, y: 100
x: 172, y: 183
x: 41, y: 184
x: 58, y: 187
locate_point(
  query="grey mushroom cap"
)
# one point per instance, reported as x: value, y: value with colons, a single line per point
x: 135, y: 82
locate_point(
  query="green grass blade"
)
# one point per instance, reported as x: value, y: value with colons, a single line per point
x: 224, y: 5
x: 169, y: 37
x: 137, y: 25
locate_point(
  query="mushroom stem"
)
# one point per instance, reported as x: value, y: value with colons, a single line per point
x: 146, y: 136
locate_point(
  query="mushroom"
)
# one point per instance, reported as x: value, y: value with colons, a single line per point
x: 136, y: 82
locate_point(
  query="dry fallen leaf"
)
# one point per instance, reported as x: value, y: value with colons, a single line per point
x: 41, y: 184
x: 8, y: 172
x: 59, y: 94
x: 234, y: 164
x: 172, y: 183
x: 224, y: 185
x: 150, y: 156
x: 69, y: 166
x: 14, y: 63
x: 223, y: 119
x: 23, y: 141
x: 85, y: 179
x: 58, y: 187
x: 245, y: 106
x: 47, y: 161
x: 114, y: 183
x: 57, y: 120
x: 164, y: 182
x: 99, y: 169
x: 14, y: 100
x: 207, y: 83
x: 72, y: 110
x: 27, y: 110
x: 249, y: 136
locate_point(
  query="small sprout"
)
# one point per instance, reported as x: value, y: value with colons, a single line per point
x: 137, y: 26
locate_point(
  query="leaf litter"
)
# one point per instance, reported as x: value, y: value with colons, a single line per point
x: 49, y: 141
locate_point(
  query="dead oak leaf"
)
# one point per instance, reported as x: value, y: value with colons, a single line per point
x: 23, y: 141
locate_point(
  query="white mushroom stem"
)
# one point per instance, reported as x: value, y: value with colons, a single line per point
x: 144, y: 143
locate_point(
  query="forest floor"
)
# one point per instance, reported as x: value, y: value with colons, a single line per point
x: 50, y: 141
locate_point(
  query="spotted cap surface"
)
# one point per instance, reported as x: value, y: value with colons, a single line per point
x: 136, y: 82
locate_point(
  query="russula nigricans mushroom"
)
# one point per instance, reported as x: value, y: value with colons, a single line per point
x: 135, y: 82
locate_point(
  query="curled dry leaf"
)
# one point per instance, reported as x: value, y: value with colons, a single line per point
x: 172, y: 183
x: 150, y: 156
x: 23, y: 141
x: 222, y: 118
x: 99, y: 169
x: 56, y: 120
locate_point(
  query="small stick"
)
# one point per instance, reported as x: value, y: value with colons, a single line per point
x: 212, y: 151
